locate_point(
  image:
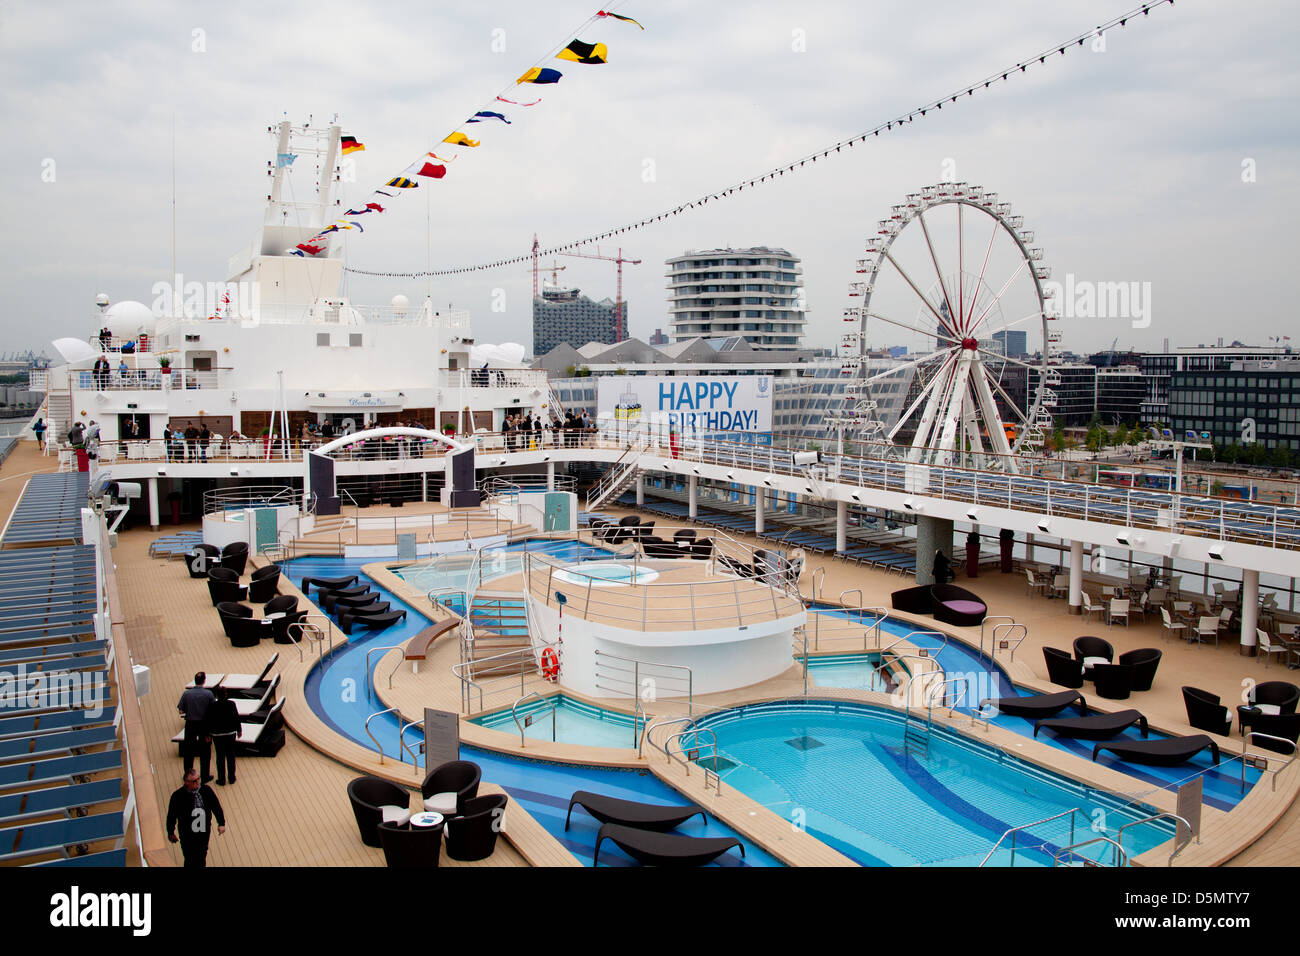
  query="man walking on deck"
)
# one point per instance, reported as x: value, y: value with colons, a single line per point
x: 192, y: 807
x: 193, y: 706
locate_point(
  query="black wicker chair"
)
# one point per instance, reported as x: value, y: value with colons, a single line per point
x: 1204, y: 712
x: 1144, y: 662
x: 702, y: 549
x: 1272, y: 698
x: 1112, y: 681
x: 369, y: 796
x: 241, y: 627
x: 286, y: 604
x: 223, y: 585
x: 1062, y: 669
x: 410, y: 848
x: 915, y: 600
x: 201, y: 559
x: 446, y: 788
x: 1286, y: 726
x: 472, y: 833
x: 1088, y: 646
x: 957, y: 606
x: 234, y: 556
x: 264, y: 584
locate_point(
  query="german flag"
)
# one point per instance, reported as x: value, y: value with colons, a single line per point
x: 460, y: 139
x: 602, y: 13
x: 401, y: 183
x: 350, y: 145
x: 539, y: 75
x: 580, y: 52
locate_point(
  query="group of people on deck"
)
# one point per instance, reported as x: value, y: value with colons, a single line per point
x: 528, y: 431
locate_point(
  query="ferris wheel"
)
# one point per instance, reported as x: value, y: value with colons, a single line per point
x: 952, y: 276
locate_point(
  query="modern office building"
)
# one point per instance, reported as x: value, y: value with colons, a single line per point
x: 1011, y: 342
x: 754, y: 293
x: 1250, y: 402
x: 1158, y: 369
x: 1121, y: 390
x: 563, y: 315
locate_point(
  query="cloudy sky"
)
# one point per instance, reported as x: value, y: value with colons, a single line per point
x: 1128, y: 163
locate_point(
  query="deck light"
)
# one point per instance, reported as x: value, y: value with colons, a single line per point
x: 973, y: 514
x: 1216, y: 552
x: 1044, y: 524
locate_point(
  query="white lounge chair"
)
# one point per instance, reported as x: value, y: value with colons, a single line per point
x: 1089, y: 607
x: 1034, y: 583
x: 1118, y: 609
x: 247, y: 708
x: 1169, y: 627
x: 1208, y: 629
x: 1267, y: 648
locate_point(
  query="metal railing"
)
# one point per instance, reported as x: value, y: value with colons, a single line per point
x: 1003, y: 632
x: 221, y: 500
x: 992, y: 617
x: 370, y: 681
x: 525, y: 657
x: 1119, y: 857
x: 378, y: 745
x: 1162, y: 815
x: 528, y: 718
x: 1255, y: 758
x: 402, y: 728
x: 1014, y: 832
x: 612, y: 671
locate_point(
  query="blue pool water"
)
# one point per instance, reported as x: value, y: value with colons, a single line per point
x: 337, y: 693
x: 1222, y: 787
x: 574, y: 723
x: 839, y: 769
x: 854, y: 671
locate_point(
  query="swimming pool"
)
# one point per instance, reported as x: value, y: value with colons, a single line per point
x: 603, y: 574
x: 452, y: 570
x: 853, y: 671
x: 839, y: 769
x: 575, y: 722
x: 336, y: 692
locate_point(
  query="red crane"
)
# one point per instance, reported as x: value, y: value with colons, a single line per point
x: 618, y: 298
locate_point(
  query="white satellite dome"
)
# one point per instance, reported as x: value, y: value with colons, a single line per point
x: 400, y: 303
x: 126, y: 320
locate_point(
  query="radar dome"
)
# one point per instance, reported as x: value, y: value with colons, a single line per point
x: 126, y: 320
x: 101, y: 300
x: 401, y: 303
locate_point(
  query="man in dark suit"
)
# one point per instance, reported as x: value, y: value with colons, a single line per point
x: 193, y: 706
x: 192, y: 806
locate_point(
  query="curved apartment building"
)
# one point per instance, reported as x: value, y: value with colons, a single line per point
x: 754, y: 293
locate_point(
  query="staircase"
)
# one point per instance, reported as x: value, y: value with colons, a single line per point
x: 616, y: 481
x: 58, y: 414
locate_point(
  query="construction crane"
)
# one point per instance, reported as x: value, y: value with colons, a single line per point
x: 554, y: 269
x: 618, y: 298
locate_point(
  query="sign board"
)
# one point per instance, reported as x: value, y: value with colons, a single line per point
x: 737, y: 407
x: 1189, y: 807
x: 441, y: 737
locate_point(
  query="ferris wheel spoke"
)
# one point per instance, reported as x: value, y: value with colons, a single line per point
x: 905, y: 366
x: 926, y: 390
x: 943, y: 287
x: 1007, y: 358
x: 928, y: 333
x: 947, y: 325
x: 961, y: 275
x: 979, y: 283
x: 1024, y: 318
x: 1016, y: 410
x: 997, y: 298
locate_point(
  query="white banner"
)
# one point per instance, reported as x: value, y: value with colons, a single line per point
x: 716, y: 405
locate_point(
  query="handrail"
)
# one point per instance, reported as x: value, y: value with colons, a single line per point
x: 370, y: 689
x: 1005, y: 629
x: 992, y: 617
x: 636, y: 676
x: 1164, y: 814
x: 514, y: 713
x: 402, y: 728
x: 468, y: 683
x: 667, y: 721
x: 1025, y: 826
x: 1263, y: 736
x: 697, y: 731
x: 378, y: 745
x: 1121, y: 857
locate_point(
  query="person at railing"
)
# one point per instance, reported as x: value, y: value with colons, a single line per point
x: 586, y: 426
x: 191, y: 443
x: 39, y: 431
x: 105, y: 339
x: 123, y: 373
x: 537, y: 432
x: 100, y: 373
x: 205, y: 436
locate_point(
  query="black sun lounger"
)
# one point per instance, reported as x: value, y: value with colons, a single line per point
x: 348, y: 621
x: 1169, y: 752
x: 327, y: 584
x: 664, y: 849
x: 1038, y: 706
x: 643, y: 816
x: 1096, y: 727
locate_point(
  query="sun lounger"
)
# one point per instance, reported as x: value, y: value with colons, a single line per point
x: 664, y: 849
x: 643, y: 816
x: 31, y: 839
x: 1094, y: 727
x: 59, y: 768
x: 24, y: 805
x: 1038, y: 706
x: 351, y: 620
x: 327, y: 584
x: 103, y: 859
x: 1169, y: 752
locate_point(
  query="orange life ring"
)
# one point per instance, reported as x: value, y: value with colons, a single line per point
x: 550, y: 664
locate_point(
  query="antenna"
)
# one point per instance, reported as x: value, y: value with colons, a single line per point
x: 174, y: 290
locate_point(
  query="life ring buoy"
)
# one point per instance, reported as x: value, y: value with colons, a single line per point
x: 550, y: 665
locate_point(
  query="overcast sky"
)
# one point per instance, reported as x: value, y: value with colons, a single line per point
x: 1127, y: 163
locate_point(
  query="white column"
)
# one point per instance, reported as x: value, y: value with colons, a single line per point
x: 1249, y: 609
x: 841, y: 526
x: 153, y: 504
x: 424, y: 486
x: 1029, y: 548
x: 1076, y: 577
x: 694, y: 502
x: 550, y: 478
x: 760, y: 509
x: 640, y: 490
